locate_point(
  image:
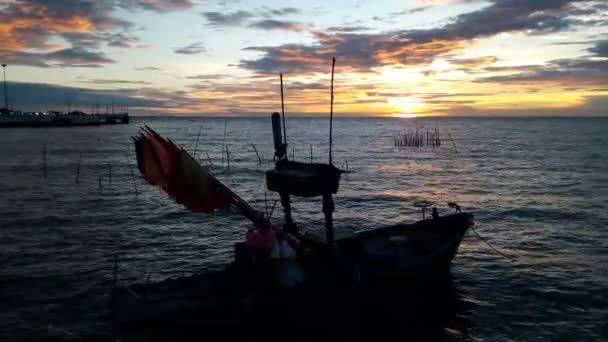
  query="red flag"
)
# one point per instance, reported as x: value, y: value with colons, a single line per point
x: 179, y: 175
x: 169, y: 166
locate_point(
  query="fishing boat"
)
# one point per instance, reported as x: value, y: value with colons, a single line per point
x: 337, y: 273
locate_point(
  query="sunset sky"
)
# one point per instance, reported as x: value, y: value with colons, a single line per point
x: 396, y: 58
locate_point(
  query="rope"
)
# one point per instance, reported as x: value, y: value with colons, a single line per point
x: 489, y: 245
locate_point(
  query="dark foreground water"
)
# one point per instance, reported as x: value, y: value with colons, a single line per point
x: 537, y: 187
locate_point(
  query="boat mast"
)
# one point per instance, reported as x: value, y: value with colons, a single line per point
x: 331, y: 107
x: 283, y: 115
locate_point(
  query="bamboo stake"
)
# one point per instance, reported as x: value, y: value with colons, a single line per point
x: 453, y: 143
x: 110, y: 173
x: 256, y: 153
x: 132, y: 175
x: 224, y: 141
x: 44, y: 160
x: 266, y: 204
x: 311, y: 154
x: 209, y: 159
x: 196, y: 143
x: 228, y: 156
x: 78, y: 168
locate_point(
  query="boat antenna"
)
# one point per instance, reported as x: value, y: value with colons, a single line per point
x: 331, y: 108
x: 5, y: 93
x: 283, y: 111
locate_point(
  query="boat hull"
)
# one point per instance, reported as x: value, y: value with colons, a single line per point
x: 369, y: 263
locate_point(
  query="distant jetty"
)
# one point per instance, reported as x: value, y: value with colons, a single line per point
x: 16, y: 118
x: 10, y: 118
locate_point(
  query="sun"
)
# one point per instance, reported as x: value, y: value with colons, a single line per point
x: 407, y: 107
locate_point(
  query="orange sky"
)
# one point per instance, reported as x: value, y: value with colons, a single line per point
x: 396, y: 58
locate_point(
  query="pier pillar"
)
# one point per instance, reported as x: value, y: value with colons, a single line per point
x: 286, y: 203
x: 328, y: 209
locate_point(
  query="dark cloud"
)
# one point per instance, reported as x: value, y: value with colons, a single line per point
x: 69, y: 57
x: 272, y: 24
x: 363, y: 52
x: 580, y: 71
x: 112, y: 81
x: 581, y: 42
x: 600, y: 49
x: 348, y: 29
x: 120, y: 40
x: 27, y: 96
x: 411, y: 11
x: 40, y: 20
x: 588, y: 70
x: 360, y: 52
x: 502, y: 16
x: 278, y: 12
x: 78, y: 55
x: 471, y: 64
x: 419, y: 9
x: 192, y: 49
x: 229, y: 19
x: 160, y: 6
x: 30, y: 29
x: 387, y: 20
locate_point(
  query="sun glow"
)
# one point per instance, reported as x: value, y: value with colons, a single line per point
x: 407, y: 107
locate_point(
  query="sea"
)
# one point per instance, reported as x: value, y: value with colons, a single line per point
x: 72, y: 202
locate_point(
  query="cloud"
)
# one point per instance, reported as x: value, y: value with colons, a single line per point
x: 600, y: 49
x: 192, y: 49
x: 355, y: 52
x: 348, y: 29
x: 240, y: 18
x: 208, y: 77
x: 77, y: 55
x: 68, y: 57
x: 31, y: 24
x: 112, y: 81
x: 419, y: 9
x: 120, y: 40
x: 34, y: 28
x: 473, y: 63
x: 580, y: 71
x: 272, y: 24
x: 148, y: 69
x: 585, y: 70
x: 141, y: 100
x: 28, y: 96
x: 278, y: 12
x: 363, y: 52
x: 160, y: 6
x: 502, y: 16
x: 592, y: 106
x: 229, y: 19
x: 411, y: 11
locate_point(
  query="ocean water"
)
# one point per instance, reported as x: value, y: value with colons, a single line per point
x: 538, y: 188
